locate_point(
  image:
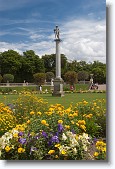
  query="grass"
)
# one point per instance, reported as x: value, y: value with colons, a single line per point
x: 71, y: 98
x: 33, y: 88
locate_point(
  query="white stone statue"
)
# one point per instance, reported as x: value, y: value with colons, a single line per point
x: 56, y: 31
x: 52, y: 82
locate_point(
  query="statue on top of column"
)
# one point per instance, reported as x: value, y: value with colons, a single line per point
x: 56, y: 31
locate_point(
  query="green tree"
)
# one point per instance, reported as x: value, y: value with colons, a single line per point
x: 99, y: 72
x: 49, y: 76
x: 31, y: 64
x: 71, y: 77
x: 83, y: 75
x: 10, y: 62
x: 39, y: 78
x: 1, y: 78
x: 50, y: 63
x: 8, y: 78
x: 99, y: 75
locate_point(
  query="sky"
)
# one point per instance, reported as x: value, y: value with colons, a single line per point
x: 29, y: 25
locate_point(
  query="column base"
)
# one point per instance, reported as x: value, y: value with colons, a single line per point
x: 58, y: 87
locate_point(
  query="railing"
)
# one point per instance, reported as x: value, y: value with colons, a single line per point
x: 20, y: 84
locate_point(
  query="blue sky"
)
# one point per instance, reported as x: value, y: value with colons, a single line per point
x: 28, y: 25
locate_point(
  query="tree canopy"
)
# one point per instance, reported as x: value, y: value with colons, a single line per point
x: 24, y: 66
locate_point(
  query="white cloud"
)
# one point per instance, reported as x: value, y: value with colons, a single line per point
x: 81, y: 40
x: 84, y: 40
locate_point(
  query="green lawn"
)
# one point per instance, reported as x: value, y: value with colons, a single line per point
x: 65, y: 101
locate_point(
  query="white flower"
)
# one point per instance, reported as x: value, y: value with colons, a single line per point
x: 14, y: 131
x: 74, y: 151
x: 64, y: 137
x: 85, y: 147
x: 85, y: 136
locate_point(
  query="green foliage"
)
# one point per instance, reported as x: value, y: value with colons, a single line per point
x: 39, y: 78
x: 82, y: 75
x: 49, y: 76
x: 49, y: 63
x: 71, y: 77
x: 8, y: 78
x: 99, y: 75
x: 24, y: 66
x: 10, y: 62
x: 1, y: 78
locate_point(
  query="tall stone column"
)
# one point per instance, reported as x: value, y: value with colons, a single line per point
x: 58, y: 59
x: 58, y: 81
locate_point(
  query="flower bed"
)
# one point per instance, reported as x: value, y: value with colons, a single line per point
x: 52, y: 132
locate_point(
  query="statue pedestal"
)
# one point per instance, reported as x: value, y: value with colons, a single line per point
x: 58, y: 87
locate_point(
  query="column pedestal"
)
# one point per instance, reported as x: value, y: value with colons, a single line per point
x: 58, y: 87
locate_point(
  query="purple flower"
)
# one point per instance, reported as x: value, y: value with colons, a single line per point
x: 55, y: 139
x: 22, y: 140
x: 60, y: 128
x: 73, y: 131
x: 44, y: 134
x: 57, y: 133
x: 10, y: 105
x: 37, y: 136
x: 20, y: 133
x: 32, y: 149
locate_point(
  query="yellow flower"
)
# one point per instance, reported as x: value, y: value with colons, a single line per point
x: 7, y: 148
x: 83, y: 127
x: 68, y: 110
x: 100, y: 145
x: 51, y: 152
x: 56, y: 156
x: 104, y: 149
x: 89, y: 116
x: 39, y: 113
x: 81, y: 122
x: 43, y: 122
x: 70, y: 115
x: 84, y: 102
x: 57, y: 145
x: 75, y: 114
x: 32, y: 113
x: 96, y: 154
x: 63, y: 152
x: 49, y: 113
x: 72, y: 122
x: 51, y: 109
x: 60, y: 121
x: 77, y: 137
x: 21, y: 150
x: 28, y: 122
x: 94, y: 103
x: 15, y: 135
x: 21, y: 129
x: 67, y: 126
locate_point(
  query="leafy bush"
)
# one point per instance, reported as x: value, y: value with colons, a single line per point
x: 8, y: 78
x: 39, y: 78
